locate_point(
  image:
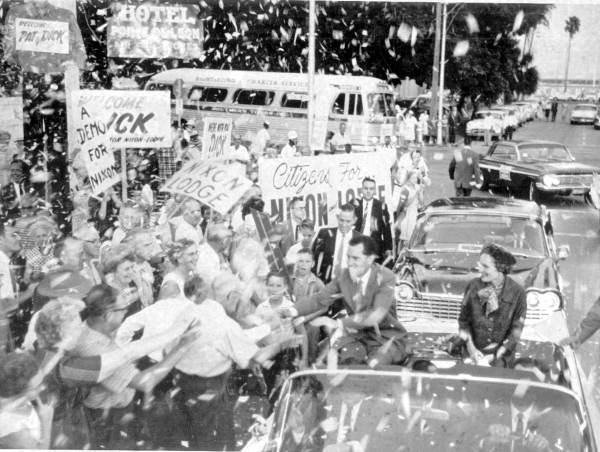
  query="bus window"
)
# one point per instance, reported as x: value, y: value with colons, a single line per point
x: 201, y: 94
x: 339, y: 104
x: 253, y: 97
x: 381, y: 104
x: 294, y: 100
x: 162, y: 87
x: 355, y: 104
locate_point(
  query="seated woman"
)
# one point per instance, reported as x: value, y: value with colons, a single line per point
x: 493, y: 310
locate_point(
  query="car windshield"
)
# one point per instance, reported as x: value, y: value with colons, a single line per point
x: 545, y: 152
x: 470, y: 232
x: 389, y: 411
x: 585, y: 108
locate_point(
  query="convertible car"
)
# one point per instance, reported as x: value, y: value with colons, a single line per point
x: 530, y: 168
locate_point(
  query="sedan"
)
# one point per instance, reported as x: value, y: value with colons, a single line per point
x: 584, y: 114
x: 532, y: 167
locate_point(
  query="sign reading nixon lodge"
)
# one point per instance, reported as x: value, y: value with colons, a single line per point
x: 154, y: 31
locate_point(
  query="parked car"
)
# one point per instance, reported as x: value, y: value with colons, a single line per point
x: 476, y: 127
x: 529, y: 168
x: 529, y: 108
x: 514, y: 116
x: 441, y: 257
x: 583, y: 114
x: 463, y: 408
x: 597, y: 121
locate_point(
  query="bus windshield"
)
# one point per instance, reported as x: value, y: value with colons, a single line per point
x: 381, y: 104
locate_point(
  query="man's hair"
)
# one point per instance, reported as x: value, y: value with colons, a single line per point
x: 348, y: 207
x: 369, y: 245
x: 368, y: 179
x: 217, y: 232
x: 305, y: 251
x: 294, y: 200
x: 52, y: 318
x: 275, y: 274
x: 100, y: 299
x: 16, y: 370
x: 192, y: 285
x: 177, y: 248
x: 114, y: 261
x: 307, y: 224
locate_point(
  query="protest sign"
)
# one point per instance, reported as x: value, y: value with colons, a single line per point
x: 216, y: 139
x: 324, y: 182
x: 91, y: 138
x: 211, y: 183
x: 140, y: 119
x: 47, y: 36
x: 147, y: 30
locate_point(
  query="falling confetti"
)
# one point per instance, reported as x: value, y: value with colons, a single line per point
x: 404, y: 32
x: 461, y: 49
x: 472, y: 24
x: 518, y: 21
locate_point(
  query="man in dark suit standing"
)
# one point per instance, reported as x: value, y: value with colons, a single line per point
x: 371, y: 332
x: 297, y: 208
x: 373, y: 219
x: 330, y: 248
x: 464, y: 170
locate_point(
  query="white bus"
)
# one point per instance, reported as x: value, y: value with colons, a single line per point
x: 365, y: 104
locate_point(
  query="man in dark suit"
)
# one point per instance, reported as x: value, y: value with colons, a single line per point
x: 464, y: 170
x: 373, y: 219
x: 297, y: 208
x: 331, y: 245
x: 371, y: 332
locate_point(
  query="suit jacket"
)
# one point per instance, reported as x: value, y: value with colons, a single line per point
x: 323, y: 252
x: 466, y: 170
x: 379, y: 293
x: 381, y: 231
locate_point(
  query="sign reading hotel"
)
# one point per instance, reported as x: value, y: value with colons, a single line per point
x: 46, y: 36
x: 139, y: 119
x: 148, y: 30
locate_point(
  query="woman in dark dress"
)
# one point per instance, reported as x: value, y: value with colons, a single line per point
x: 493, y: 309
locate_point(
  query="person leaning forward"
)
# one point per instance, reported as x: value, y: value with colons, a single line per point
x: 371, y: 332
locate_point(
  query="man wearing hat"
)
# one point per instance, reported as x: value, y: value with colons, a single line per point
x: 464, y: 171
x: 290, y: 150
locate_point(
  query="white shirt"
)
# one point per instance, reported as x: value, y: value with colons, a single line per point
x: 288, y: 151
x: 363, y: 281
x: 222, y: 342
x: 367, y: 207
x: 340, y: 141
x: 239, y: 153
x: 345, y: 245
x: 7, y: 289
x: 187, y: 231
x: 514, y: 412
x: 209, y: 264
x: 261, y: 139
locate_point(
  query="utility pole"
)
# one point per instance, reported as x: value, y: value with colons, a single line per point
x: 312, y: 18
x: 442, y: 69
x: 435, y: 73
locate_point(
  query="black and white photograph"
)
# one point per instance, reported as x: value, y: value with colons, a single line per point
x: 300, y: 225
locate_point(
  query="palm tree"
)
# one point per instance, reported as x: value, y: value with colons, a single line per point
x: 571, y: 27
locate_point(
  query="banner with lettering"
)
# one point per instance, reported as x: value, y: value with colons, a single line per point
x: 92, y: 140
x: 136, y: 119
x: 42, y: 36
x: 325, y: 182
x: 211, y: 183
x: 216, y: 139
x: 148, y: 30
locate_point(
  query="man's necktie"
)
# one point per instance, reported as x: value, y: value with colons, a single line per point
x: 337, y: 266
x: 365, y: 216
x: 296, y: 233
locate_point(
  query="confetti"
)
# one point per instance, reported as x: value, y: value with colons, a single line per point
x: 461, y: 49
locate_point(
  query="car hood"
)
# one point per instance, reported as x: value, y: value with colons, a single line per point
x: 561, y: 167
x: 449, y: 273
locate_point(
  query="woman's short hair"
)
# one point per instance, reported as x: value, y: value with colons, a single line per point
x: 52, y: 319
x: 16, y: 371
x: 502, y: 258
x: 193, y: 284
x: 100, y: 299
x: 176, y: 249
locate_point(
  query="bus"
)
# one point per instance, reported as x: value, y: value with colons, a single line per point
x: 365, y: 104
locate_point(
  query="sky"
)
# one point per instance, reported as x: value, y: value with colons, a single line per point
x: 550, y: 43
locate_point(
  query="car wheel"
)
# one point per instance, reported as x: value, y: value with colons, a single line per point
x: 572, y: 122
x: 485, y: 184
x: 533, y: 193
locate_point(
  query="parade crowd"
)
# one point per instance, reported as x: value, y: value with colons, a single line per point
x: 145, y: 326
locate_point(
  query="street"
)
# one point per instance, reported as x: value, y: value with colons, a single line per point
x: 575, y: 223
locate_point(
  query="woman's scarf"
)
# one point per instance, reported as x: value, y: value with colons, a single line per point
x: 489, y: 296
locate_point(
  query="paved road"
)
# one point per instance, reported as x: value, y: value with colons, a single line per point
x: 575, y: 223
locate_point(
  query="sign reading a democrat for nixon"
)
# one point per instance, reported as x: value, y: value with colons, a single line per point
x: 148, y: 30
x: 47, y: 36
x: 216, y: 140
x: 211, y: 183
x: 324, y: 182
x: 139, y: 119
x: 92, y: 140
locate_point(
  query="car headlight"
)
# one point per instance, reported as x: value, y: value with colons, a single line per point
x: 547, y: 301
x: 549, y: 180
x: 404, y: 291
